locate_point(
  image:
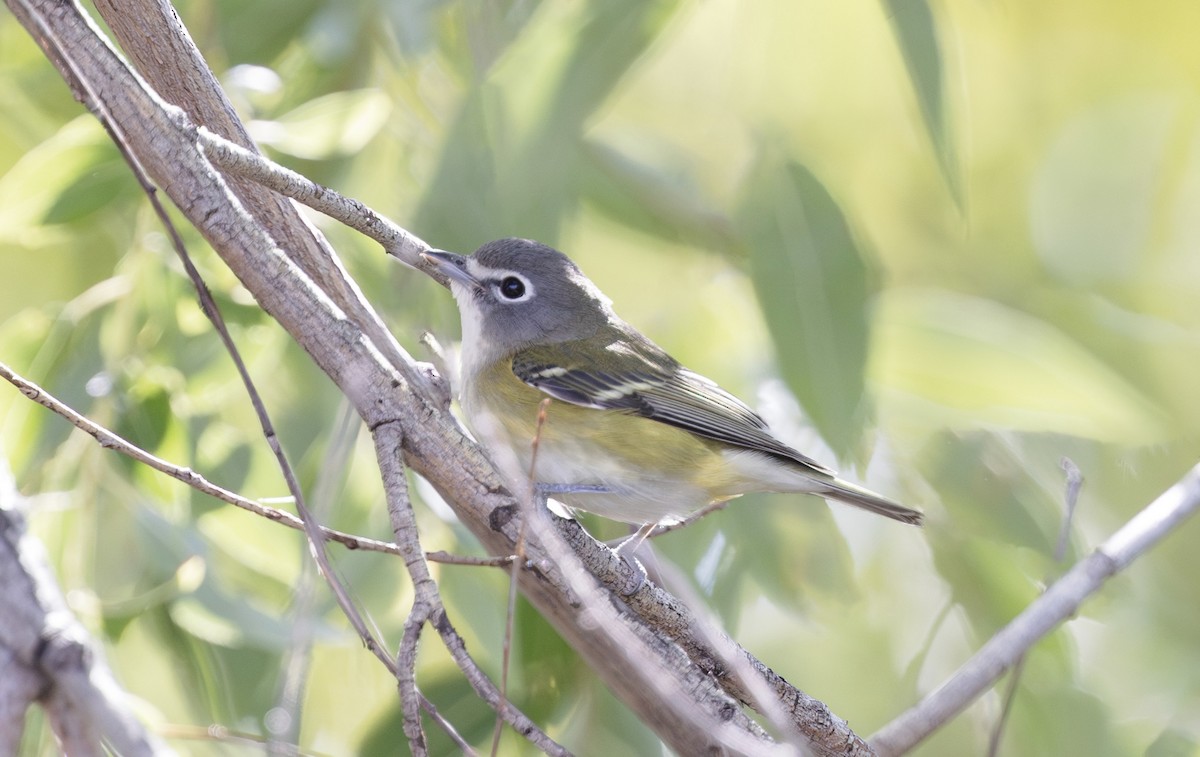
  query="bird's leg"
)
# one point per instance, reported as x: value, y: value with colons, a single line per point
x: 630, y: 543
x: 626, y: 549
x: 544, y: 490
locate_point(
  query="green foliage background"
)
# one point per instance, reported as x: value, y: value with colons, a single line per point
x: 945, y: 244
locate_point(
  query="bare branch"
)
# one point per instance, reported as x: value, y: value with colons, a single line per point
x: 427, y: 604
x: 20, y: 686
x: 39, y: 633
x: 674, y: 696
x: 446, y: 558
x: 1060, y: 601
x: 111, y: 440
x: 237, y: 160
x: 208, y: 306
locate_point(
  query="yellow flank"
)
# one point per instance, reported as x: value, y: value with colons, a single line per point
x: 664, y: 453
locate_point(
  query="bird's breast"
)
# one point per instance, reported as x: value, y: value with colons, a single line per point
x: 653, y: 471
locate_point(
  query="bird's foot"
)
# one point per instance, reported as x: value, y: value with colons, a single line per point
x: 625, y: 550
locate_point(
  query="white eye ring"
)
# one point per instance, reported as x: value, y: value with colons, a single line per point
x: 511, y: 287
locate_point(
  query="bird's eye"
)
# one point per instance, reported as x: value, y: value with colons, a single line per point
x: 512, y: 287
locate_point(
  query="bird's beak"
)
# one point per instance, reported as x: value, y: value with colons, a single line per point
x: 448, y: 266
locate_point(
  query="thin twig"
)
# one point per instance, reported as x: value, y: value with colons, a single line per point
x: 446, y: 558
x: 448, y: 727
x: 297, y: 657
x: 514, y: 577
x: 427, y: 604
x: 406, y: 679
x: 1060, y: 601
x: 1074, y: 482
x: 235, y: 159
x: 1010, y: 699
x: 111, y: 440
x: 222, y: 734
x: 209, y: 306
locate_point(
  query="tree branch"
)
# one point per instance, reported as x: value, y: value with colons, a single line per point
x: 111, y: 440
x: 427, y: 603
x: 1060, y: 601
x: 42, y: 643
x: 316, y: 303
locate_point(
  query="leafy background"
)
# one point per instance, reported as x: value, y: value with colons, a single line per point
x: 942, y: 244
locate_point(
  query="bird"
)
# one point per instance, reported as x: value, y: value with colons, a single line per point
x: 629, y: 433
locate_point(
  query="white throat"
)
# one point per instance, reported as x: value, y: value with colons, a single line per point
x: 474, y: 355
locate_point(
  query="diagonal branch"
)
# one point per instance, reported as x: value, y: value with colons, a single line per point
x: 41, y: 641
x: 341, y: 333
x: 1059, y: 603
x: 712, y: 652
x: 428, y: 607
x: 311, y: 528
x: 111, y: 440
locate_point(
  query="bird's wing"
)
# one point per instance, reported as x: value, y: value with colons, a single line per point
x: 660, y: 390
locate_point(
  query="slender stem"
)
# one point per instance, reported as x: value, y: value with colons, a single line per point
x: 1060, y: 601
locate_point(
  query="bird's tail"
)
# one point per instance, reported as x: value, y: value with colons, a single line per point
x: 844, y: 491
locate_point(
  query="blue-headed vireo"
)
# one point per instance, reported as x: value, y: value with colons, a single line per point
x: 630, y: 433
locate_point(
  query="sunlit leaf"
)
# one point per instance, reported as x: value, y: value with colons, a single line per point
x: 330, y: 126
x: 973, y: 358
x: 40, y: 188
x: 1096, y: 191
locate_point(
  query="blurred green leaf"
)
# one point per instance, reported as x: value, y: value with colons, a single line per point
x: 509, y: 165
x: 605, y: 726
x: 791, y: 549
x: 41, y: 187
x: 645, y: 198
x: 1174, y: 743
x: 987, y: 489
x: 221, y: 618
x: 916, y: 35
x: 967, y: 355
x: 150, y: 415
x: 813, y: 282
x: 458, y: 209
x: 1040, y: 712
x: 256, y: 32
x: 107, y: 181
x: 550, y: 672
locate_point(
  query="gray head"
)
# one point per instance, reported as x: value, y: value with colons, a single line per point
x: 513, y: 293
